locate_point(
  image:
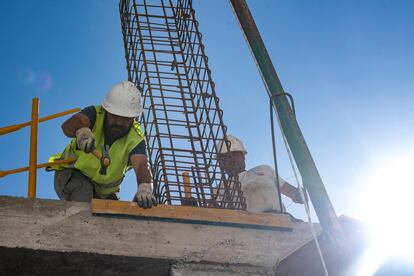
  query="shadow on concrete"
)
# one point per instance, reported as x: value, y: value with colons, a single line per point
x: 22, y: 261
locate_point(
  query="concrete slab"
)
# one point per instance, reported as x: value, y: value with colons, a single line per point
x: 65, y: 227
x: 207, y: 269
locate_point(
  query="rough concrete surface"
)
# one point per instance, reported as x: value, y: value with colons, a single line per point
x: 70, y: 228
x: 208, y: 269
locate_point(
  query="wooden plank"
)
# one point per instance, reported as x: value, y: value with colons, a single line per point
x: 189, y: 214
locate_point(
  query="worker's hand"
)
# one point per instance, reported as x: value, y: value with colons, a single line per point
x: 144, y: 196
x: 298, y: 197
x: 85, y: 139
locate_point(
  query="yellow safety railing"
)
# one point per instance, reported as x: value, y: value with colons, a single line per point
x: 33, y: 166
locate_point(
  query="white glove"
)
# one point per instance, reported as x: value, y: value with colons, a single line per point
x: 297, y: 198
x: 85, y: 139
x: 144, y: 196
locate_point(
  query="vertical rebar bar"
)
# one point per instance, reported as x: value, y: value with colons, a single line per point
x: 182, y: 120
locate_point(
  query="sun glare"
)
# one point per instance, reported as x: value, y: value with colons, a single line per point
x: 386, y: 206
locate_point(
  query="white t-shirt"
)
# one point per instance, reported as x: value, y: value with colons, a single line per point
x: 259, y: 189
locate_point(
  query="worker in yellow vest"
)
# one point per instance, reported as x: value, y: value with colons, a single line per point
x: 113, y: 124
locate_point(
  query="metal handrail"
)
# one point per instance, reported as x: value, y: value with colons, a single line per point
x: 39, y: 166
x: 33, y: 166
x: 12, y: 128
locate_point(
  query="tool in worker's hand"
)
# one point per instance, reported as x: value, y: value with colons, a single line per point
x: 85, y: 139
x: 104, y: 157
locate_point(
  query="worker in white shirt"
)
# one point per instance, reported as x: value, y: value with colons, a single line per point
x: 259, y: 183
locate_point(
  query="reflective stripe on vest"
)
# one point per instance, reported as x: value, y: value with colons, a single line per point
x: 119, y: 151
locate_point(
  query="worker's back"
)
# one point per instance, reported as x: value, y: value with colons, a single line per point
x: 259, y: 189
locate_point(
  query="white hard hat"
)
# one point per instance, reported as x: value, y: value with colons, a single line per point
x: 123, y: 99
x: 235, y: 145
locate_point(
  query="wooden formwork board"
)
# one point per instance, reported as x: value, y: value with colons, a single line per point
x: 189, y: 214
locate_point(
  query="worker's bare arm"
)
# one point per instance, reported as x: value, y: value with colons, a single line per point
x: 77, y: 121
x: 142, y: 168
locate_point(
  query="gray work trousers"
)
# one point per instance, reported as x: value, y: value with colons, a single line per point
x: 72, y: 185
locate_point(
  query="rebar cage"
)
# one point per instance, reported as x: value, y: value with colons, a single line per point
x: 182, y: 119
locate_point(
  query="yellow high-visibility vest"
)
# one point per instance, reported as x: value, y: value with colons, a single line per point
x: 89, y: 165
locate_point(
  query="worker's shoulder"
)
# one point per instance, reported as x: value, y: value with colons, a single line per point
x: 89, y: 109
x: 136, y: 126
x: 258, y: 172
x: 97, y: 107
x: 262, y: 169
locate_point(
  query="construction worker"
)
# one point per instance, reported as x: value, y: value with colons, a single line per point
x: 113, y: 124
x: 259, y: 183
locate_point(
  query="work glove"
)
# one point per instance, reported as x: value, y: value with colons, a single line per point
x: 144, y: 196
x: 298, y: 197
x: 85, y: 139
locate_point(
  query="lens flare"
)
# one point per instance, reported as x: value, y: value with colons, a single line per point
x: 40, y: 80
x: 386, y: 205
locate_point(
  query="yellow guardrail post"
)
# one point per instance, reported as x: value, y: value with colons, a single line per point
x: 33, y: 166
x: 33, y: 149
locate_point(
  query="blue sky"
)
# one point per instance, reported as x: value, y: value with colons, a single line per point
x: 348, y: 64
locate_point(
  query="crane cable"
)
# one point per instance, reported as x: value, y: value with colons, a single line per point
x: 299, y: 185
